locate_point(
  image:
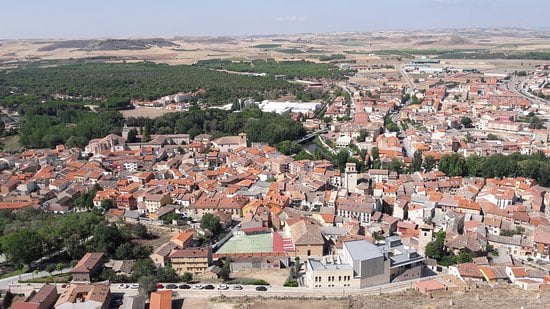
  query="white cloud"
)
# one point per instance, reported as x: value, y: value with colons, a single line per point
x: 292, y: 18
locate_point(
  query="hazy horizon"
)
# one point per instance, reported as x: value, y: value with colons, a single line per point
x: 64, y: 19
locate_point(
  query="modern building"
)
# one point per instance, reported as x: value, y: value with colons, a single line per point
x: 289, y: 107
x: 363, y: 264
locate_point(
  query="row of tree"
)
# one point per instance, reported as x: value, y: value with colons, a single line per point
x: 535, y: 166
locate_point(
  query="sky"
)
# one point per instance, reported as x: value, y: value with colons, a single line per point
x: 26, y: 19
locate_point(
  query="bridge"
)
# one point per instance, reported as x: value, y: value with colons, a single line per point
x: 311, y: 135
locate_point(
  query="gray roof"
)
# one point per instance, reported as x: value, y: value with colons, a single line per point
x: 317, y: 265
x: 361, y: 250
x: 333, y: 230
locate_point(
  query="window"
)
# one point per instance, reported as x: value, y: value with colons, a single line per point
x: 308, y: 252
x: 339, y: 278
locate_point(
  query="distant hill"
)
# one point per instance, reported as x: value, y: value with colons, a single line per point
x: 109, y: 44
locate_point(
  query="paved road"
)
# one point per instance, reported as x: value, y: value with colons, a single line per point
x: 250, y: 290
x: 5, y: 283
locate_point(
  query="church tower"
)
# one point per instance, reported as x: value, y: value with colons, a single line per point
x: 351, y: 177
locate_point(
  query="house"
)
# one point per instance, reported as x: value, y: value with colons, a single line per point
x: 155, y: 201
x: 429, y: 286
x: 467, y: 271
x: 161, y: 255
x: 44, y: 299
x: 161, y: 300
x: 226, y: 143
x: 88, y: 266
x: 306, y: 236
x: 126, y: 201
x: 541, y: 245
x: 84, y: 296
x: 191, y: 260
x: 183, y: 239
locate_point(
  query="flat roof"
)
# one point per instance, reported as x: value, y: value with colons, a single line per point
x: 362, y: 250
x: 318, y: 266
x: 243, y: 243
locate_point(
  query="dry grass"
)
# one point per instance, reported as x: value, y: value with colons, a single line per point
x: 274, y: 277
x: 504, y: 296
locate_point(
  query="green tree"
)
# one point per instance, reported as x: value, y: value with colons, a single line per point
x: 416, y: 164
x: 225, y: 272
x: 211, y: 223
x: 187, y: 277
x: 107, y: 204
x: 132, y: 136
x: 374, y: 153
x: 145, y: 135
x: 396, y: 165
x: 22, y: 247
x: 147, y: 284
x: 140, y: 231
x: 429, y: 163
x: 466, y: 122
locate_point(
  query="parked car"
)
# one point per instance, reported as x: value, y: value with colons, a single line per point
x: 197, y: 287
x: 160, y: 286
x: 171, y: 286
x: 261, y: 288
x: 134, y: 286
x: 209, y: 287
x: 123, y: 286
x: 237, y: 287
x: 223, y: 287
x: 185, y: 286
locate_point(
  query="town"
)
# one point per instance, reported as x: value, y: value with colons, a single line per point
x: 289, y: 173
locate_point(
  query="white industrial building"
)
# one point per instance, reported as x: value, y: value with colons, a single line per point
x: 289, y: 107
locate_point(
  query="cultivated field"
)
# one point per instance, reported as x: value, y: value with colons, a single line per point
x: 355, y: 46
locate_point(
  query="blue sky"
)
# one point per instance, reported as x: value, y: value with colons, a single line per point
x: 118, y: 18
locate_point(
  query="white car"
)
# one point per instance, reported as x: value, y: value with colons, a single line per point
x: 122, y: 286
x: 134, y: 286
x: 198, y: 287
x: 223, y: 287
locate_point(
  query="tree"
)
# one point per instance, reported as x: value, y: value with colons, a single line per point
x: 22, y: 247
x: 145, y: 137
x: 362, y: 135
x: 211, y: 223
x: 342, y: 159
x: 187, y: 277
x: 147, y: 284
x: 396, y: 165
x: 374, y: 153
x: 106, y: 238
x: 225, y: 272
x: 434, y: 249
x: 429, y: 163
x: 132, y: 136
x: 466, y: 122
x: 140, y: 231
x: 143, y: 268
x: 107, y: 204
x: 416, y: 164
